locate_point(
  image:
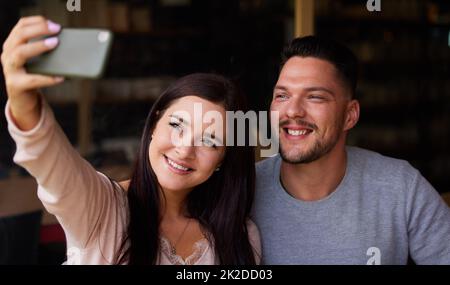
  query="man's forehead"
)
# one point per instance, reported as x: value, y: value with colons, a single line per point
x: 303, y: 81
x: 307, y: 66
x: 308, y: 72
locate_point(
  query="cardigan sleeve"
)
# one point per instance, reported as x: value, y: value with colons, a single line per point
x: 81, y: 198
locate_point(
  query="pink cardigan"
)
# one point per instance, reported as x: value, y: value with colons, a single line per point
x: 93, y: 213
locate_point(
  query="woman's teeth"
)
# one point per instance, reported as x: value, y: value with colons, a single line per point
x: 177, y: 166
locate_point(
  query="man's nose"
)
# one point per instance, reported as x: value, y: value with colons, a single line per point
x: 295, y: 108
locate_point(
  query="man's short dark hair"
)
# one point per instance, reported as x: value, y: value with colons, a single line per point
x: 337, y: 54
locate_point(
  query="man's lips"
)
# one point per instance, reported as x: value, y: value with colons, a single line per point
x: 296, y: 131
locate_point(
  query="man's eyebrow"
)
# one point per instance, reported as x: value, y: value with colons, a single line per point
x: 181, y: 120
x: 280, y: 87
x: 323, y: 89
x: 308, y: 89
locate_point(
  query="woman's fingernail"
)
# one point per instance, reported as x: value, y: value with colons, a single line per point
x: 59, y: 79
x: 53, y: 27
x: 51, y: 42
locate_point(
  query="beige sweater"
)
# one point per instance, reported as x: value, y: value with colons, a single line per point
x: 93, y: 213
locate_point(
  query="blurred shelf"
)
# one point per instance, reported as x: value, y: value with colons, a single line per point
x: 23, y: 189
x: 420, y: 69
x: 374, y: 21
x: 406, y: 107
x: 378, y: 22
x: 163, y: 33
x: 404, y: 71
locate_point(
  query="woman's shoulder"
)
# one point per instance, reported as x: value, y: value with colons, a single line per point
x: 255, y: 239
x: 125, y: 184
x: 251, y: 225
x: 252, y: 229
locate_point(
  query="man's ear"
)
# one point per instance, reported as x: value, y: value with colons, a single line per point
x: 351, y: 114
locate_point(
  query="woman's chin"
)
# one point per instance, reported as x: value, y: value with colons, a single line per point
x: 173, y: 184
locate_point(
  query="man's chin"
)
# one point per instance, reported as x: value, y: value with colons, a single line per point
x: 295, y: 158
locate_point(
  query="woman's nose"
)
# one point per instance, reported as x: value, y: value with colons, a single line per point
x: 185, y: 152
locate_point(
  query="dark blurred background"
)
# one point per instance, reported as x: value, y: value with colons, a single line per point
x: 404, y: 86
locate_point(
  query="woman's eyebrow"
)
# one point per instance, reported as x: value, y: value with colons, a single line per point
x: 180, y: 119
x: 212, y: 136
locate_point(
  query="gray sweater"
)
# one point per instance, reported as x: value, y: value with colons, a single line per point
x: 382, y: 211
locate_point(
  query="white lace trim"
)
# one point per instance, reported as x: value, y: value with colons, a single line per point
x: 200, y: 247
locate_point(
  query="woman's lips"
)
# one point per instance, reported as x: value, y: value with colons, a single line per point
x: 177, y: 167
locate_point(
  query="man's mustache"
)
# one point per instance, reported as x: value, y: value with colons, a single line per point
x: 298, y: 122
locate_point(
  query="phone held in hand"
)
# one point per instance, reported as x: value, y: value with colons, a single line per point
x: 81, y: 53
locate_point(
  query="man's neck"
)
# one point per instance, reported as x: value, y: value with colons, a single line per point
x: 316, y: 180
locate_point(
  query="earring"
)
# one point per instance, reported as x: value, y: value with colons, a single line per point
x: 217, y: 169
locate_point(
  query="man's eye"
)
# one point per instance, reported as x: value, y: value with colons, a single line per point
x: 281, y: 96
x: 317, y: 97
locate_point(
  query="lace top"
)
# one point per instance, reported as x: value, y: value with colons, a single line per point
x: 201, y: 248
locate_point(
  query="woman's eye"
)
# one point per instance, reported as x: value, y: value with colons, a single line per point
x: 209, y: 143
x: 176, y: 126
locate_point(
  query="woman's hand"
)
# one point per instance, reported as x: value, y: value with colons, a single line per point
x: 22, y: 88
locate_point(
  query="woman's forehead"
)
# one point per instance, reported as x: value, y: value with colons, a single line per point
x: 195, y: 104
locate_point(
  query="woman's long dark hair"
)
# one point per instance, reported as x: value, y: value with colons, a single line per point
x: 221, y: 204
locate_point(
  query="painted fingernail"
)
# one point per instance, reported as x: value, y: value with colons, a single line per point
x: 53, y: 27
x: 51, y: 42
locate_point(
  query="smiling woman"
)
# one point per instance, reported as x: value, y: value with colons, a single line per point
x: 186, y: 165
x: 196, y: 192
x: 184, y: 204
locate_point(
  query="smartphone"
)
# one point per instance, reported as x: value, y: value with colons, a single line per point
x: 81, y: 53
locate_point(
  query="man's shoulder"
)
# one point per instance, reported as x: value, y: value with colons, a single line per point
x: 380, y: 167
x: 267, y: 164
x: 374, y: 158
x: 266, y: 171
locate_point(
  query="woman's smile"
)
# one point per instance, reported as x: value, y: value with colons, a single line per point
x: 177, y: 167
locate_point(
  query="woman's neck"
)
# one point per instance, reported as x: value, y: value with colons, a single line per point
x: 173, y: 204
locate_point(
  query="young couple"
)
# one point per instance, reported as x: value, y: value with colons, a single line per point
x: 317, y: 202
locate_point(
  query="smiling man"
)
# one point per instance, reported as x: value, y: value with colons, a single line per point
x: 322, y: 202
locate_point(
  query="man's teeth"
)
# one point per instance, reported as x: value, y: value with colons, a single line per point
x: 177, y: 166
x: 297, y: 132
